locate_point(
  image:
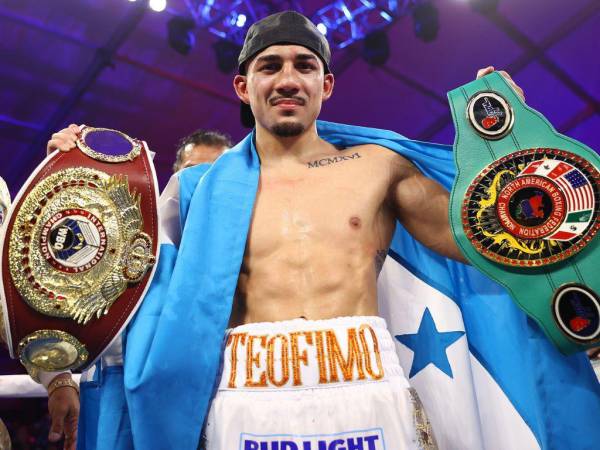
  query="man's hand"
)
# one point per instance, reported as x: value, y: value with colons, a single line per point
x: 490, y: 69
x: 63, y: 405
x: 64, y: 140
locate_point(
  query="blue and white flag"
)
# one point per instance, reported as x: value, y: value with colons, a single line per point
x: 488, y: 377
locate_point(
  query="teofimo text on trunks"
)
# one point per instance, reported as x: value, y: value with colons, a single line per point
x: 363, y: 440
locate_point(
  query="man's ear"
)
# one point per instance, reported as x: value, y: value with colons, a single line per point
x: 241, y: 88
x: 328, y: 82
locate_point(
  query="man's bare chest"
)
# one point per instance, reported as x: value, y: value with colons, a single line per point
x: 332, y: 199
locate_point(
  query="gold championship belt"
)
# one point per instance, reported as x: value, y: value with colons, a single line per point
x: 78, y: 251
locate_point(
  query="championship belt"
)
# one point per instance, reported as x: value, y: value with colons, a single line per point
x: 524, y: 209
x: 78, y: 252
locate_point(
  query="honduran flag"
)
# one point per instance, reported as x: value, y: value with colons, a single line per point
x: 488, y: 377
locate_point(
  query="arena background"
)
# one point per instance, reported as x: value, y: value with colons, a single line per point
x: 108, y: 63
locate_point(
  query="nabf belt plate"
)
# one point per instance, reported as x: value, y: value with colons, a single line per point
x: 79, y: 250
x: 525, y: 209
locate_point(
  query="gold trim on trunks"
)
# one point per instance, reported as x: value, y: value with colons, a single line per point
x: 77, y: 242
x: 425, y: 435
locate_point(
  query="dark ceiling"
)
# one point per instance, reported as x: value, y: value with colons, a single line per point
x: 106, y: 64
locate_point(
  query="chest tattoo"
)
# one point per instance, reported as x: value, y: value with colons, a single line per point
x: 327, y: 161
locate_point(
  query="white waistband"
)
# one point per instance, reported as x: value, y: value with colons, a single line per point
x: 300, y: 354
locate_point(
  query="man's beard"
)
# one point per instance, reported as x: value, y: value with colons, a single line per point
x: 288, y: 129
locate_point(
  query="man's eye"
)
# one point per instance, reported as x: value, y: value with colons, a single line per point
x: 269, y: 67
x: 305, y: 66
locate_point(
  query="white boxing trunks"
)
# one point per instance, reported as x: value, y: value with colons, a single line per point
x: 314, y: 385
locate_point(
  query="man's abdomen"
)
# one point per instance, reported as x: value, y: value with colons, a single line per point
x: 329, y: 285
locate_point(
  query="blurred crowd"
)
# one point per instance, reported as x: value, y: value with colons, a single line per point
x: 27, y: 422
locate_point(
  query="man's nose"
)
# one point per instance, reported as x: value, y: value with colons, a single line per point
x: 288, y: 81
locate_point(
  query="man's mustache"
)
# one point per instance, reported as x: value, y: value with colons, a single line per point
x: 280, y: 98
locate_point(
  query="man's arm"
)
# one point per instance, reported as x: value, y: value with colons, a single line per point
x: 63, y: 406
x: 421, y: 205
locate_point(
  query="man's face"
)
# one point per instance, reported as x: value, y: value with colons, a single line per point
x: 199, y: 154
x: 285, y: 86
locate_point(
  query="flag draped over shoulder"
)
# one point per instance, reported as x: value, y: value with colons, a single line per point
x: 486, y: 374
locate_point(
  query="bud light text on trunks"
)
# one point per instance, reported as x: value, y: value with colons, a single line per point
x: 353, y: 440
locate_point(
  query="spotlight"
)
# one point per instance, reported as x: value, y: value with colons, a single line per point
x: 376, y: 48
x: 226, y: 53
x: 158, y: 5
x: 484, y: 6
x: 322, y: 28
x: 241, y: 21
x: 425, y: 18
x: 180, y: 35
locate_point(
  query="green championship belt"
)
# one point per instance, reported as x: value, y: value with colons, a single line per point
x: 524, y: 209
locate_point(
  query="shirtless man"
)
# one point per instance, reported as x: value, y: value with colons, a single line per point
x: 322, y: 224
